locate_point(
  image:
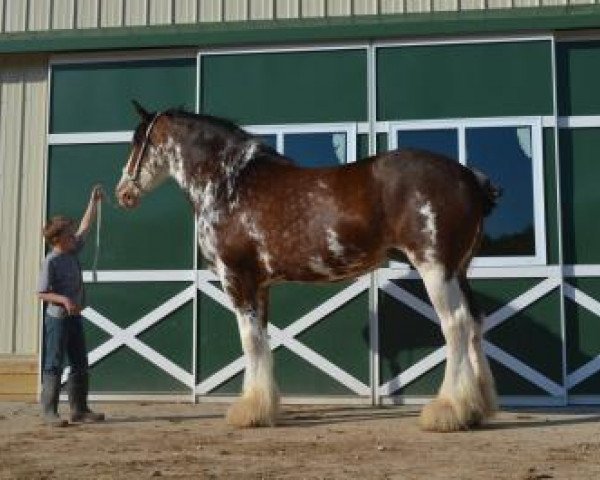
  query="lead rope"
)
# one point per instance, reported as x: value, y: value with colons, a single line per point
x: 97, y: 244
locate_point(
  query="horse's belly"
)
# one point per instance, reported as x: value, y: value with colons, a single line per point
x: 320, y: 268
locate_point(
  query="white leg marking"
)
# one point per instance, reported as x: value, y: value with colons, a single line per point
x: 459, y: 388
x: 259, y: 403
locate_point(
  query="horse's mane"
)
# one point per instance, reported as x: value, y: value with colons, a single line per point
x: 220, y: 123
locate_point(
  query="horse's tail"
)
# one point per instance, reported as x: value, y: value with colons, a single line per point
x: 491, y: 193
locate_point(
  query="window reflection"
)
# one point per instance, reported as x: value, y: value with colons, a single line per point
x: 504, y: 154
x: 315, y: 149
x: 270, y: 140
x: 442, y: 141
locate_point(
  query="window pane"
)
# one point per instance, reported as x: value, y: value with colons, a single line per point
x: 442, y: 141
x: 316, y: 149
x: 268, y: 139
x: 504, y: 154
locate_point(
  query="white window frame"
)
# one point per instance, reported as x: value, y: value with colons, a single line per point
x: 461, y: 125
x: 350, y: 129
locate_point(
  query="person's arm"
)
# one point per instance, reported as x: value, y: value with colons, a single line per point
x: 71, y: 307
x: 90, y: 212
x: 45, y: 287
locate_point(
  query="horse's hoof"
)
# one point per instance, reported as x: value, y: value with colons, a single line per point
x: 443, y: 415
x: 253, y: 409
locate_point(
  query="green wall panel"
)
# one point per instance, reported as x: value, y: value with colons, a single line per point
x: 580, y: 171
x: 510, y: 383
x: 131, y: 240
x: 219, y: 342
x: 298, y: 87
x: 583, y: 334
x: 536, y: 326
x: 349, y: 351
x: 294, y: 376
x: 477, y: 80
x: 405, y: 337
x: 123, y: 304
x: 550, y: 197
x: 172, y: 336
x: 124, y: 371
x: 427, y: 384
x: 95, y: 97
x: 578, y: 76
x: 218, y: 337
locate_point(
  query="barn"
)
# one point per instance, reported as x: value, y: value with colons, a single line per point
x: 507, y: 86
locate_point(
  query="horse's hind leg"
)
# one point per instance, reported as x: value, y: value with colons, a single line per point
x: 259, y: 404
x: 460, y: 403
x: 479, y: 362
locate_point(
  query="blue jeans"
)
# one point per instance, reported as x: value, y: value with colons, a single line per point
x: 64, y: 336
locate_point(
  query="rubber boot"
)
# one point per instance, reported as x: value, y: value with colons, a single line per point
x: 78, y: 392
x: 49, y: 400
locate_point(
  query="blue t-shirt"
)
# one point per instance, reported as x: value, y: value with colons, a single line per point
x: 61, y: 274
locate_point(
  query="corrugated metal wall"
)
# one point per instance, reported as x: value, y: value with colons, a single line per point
x: 23, y: 82
x: 24, y: 15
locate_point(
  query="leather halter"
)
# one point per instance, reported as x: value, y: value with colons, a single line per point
x: 134, y: 176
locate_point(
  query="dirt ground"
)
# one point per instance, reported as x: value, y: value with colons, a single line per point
x: 141, y: 440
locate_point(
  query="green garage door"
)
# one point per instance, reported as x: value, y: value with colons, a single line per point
x: 480, y: 104
x: 140, y: 311
x: 304, y: 104
x: 579, y: 73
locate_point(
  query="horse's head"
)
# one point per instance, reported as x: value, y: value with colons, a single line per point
x: 148, y: 165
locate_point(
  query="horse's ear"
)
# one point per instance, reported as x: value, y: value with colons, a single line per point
x: 144, y: 115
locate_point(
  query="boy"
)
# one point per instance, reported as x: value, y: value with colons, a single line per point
x: 61, y: 286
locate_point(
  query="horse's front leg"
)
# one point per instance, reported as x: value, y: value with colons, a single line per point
x: 259, y: 404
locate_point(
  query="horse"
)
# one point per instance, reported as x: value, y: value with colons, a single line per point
x: 263, y: 219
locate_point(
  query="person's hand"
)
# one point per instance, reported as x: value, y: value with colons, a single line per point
x: 97, y: 194
x: 71, y: 307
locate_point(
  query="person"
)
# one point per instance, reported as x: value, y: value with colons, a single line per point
x: 61, y: 287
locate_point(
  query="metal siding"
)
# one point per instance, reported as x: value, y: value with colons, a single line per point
x: 210, y: 11
x: 22, y: 87
x: 87, y: 14
x: 111, y: 13
x: 136, y: 12
x: 160, y: 12
x: 445, y: 5
x: 392, y: 6
x: 14, y: 16
x: 10, y: 139
x: 499, y: 4
x: 339, y: 8
x: 366, y: 7
x: 32, y: 192
x: 39, y: 15
x: 261, y: 9
x: 35, y: 15
x: 185, y: 11
x: 417, y: 6
x: 63, y: 14
x: 236, y: 10
x: 472, y: 4
x: 312, y: 8
x: 287, y: 8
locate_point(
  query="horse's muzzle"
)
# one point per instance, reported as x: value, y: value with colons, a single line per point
x: 128, y: 196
